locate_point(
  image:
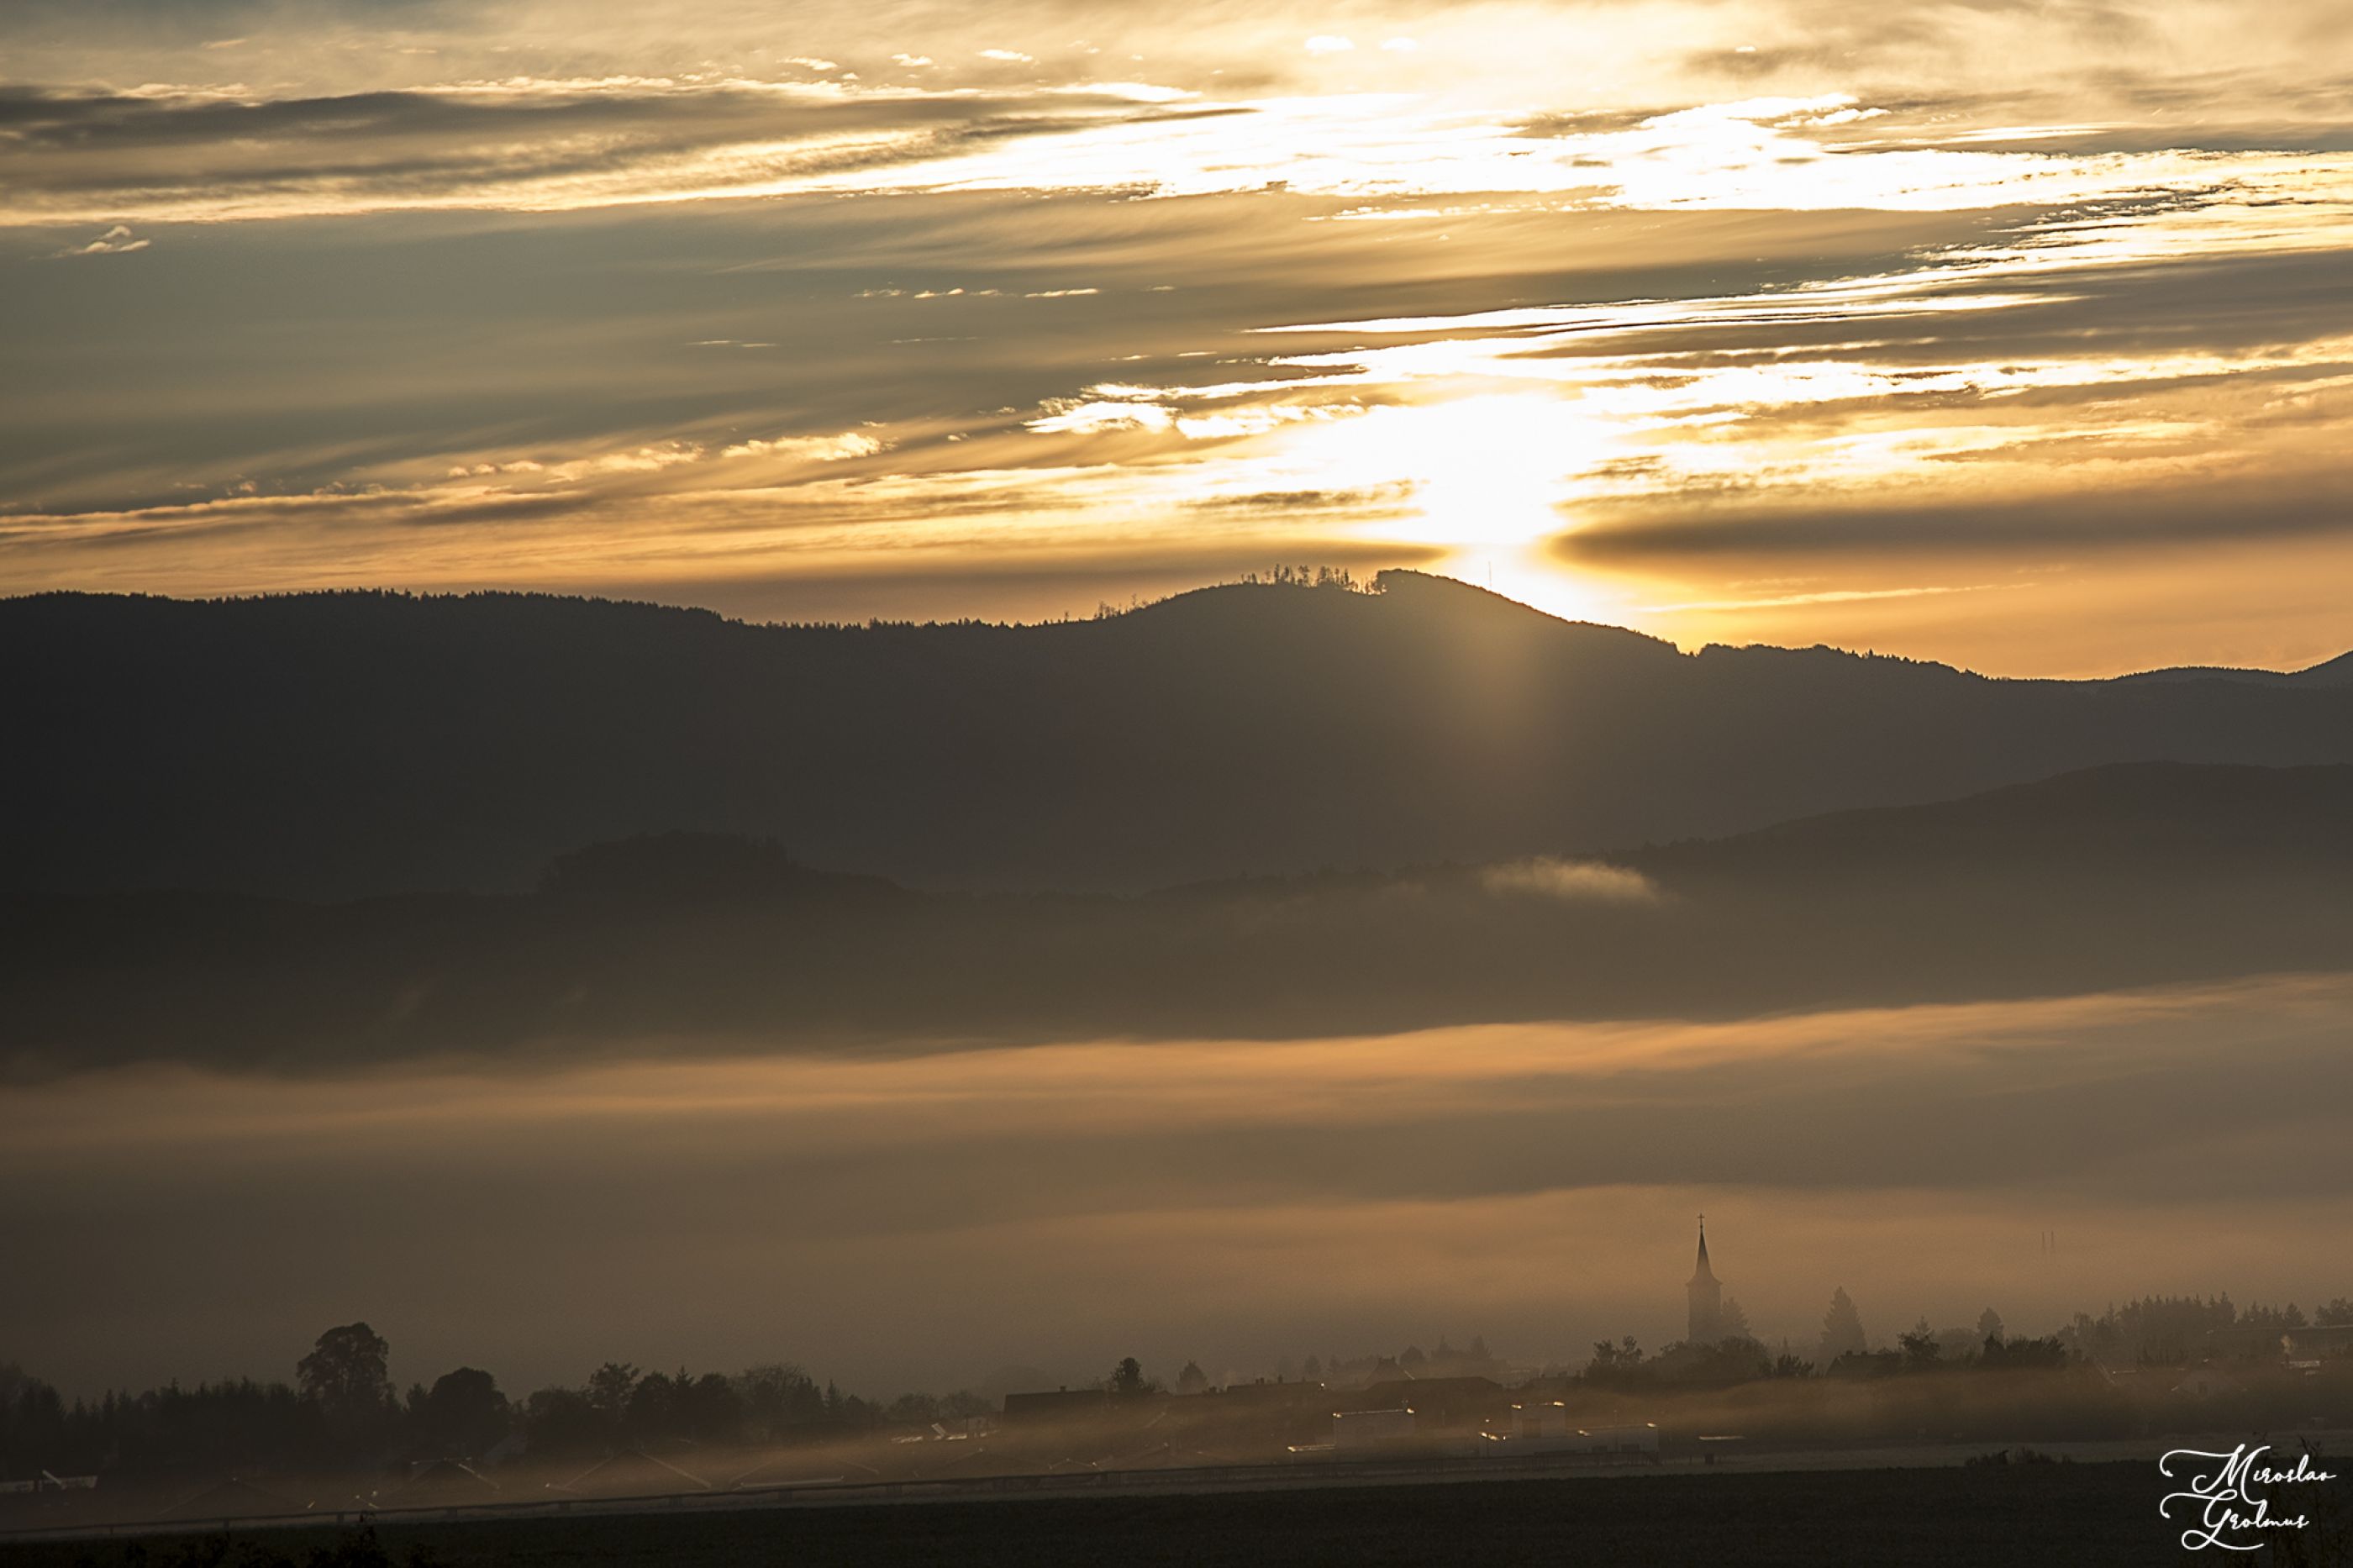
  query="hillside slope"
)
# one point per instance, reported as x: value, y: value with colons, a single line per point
x: 337, y: 746
x: 2136, y: 875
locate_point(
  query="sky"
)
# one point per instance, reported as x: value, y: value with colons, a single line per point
x: 920, y: 1223
x: 2009, y: 334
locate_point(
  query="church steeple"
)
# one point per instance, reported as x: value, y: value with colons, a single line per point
x: 1706, y: 1298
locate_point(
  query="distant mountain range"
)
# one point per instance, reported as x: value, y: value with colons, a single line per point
x: 340, y: 745
x: 2129, y: 875
x: 2338, y: 671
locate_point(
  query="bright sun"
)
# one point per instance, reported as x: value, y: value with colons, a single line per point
x: 1488, y: 474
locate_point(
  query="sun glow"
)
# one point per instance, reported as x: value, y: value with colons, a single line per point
x: 1486, y: 476
x: 1599, y: 307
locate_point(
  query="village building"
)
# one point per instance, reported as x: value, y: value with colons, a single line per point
x: 1705, y: 1297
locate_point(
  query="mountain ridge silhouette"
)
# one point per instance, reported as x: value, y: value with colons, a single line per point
x: 335, y: 745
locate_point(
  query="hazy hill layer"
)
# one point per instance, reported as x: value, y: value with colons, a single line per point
x: 2132, y: 875
x: 2176, y: 824
x: 337, y: 746
x: 2338, y: 671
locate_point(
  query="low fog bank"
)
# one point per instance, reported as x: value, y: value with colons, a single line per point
x: 344, y: 1441
x: 2129, y: 876
x: 917, y: 1222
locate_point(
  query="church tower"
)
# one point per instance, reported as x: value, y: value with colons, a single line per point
x: 1706, y: 1298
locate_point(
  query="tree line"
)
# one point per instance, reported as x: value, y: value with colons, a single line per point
x: 2154, y: 1331
x: 342, y: 1408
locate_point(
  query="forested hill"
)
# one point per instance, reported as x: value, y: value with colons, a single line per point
x: 2124, y: 876
x: 336, y: 745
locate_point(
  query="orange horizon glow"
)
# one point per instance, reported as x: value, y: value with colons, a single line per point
x: 1646, y: 313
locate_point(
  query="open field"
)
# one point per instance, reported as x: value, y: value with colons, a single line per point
x: 2078, y: 1514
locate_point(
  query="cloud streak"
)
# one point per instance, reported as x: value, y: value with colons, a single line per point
x: 117, y: 241
x: 520, y: 143
x: 1727, y: 328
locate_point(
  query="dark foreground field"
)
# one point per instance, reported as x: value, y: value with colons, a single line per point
x: 2078, y: 1515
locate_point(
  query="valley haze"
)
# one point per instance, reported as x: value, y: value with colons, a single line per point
x: 855, y: 972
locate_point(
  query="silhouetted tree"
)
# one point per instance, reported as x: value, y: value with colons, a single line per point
x: 1988, y: 1324
x: 345, y: 1376
x: 2262, y: 1322
x: 464, y: 1415
x: 653, y: 1409
x: 1127, y: 1379
x: 2018, y: 1354
x: 708, y: 1409
x: 1615, y: 1366
x: 1921, y: 1349
x: 1725, y: 1361
x: 778, y: 1397
x: 1193, y: 1380
x: 1842, y: 1329
x: 566, y: 1421
x: 609, y: 1387
x: 2166, y: 1329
